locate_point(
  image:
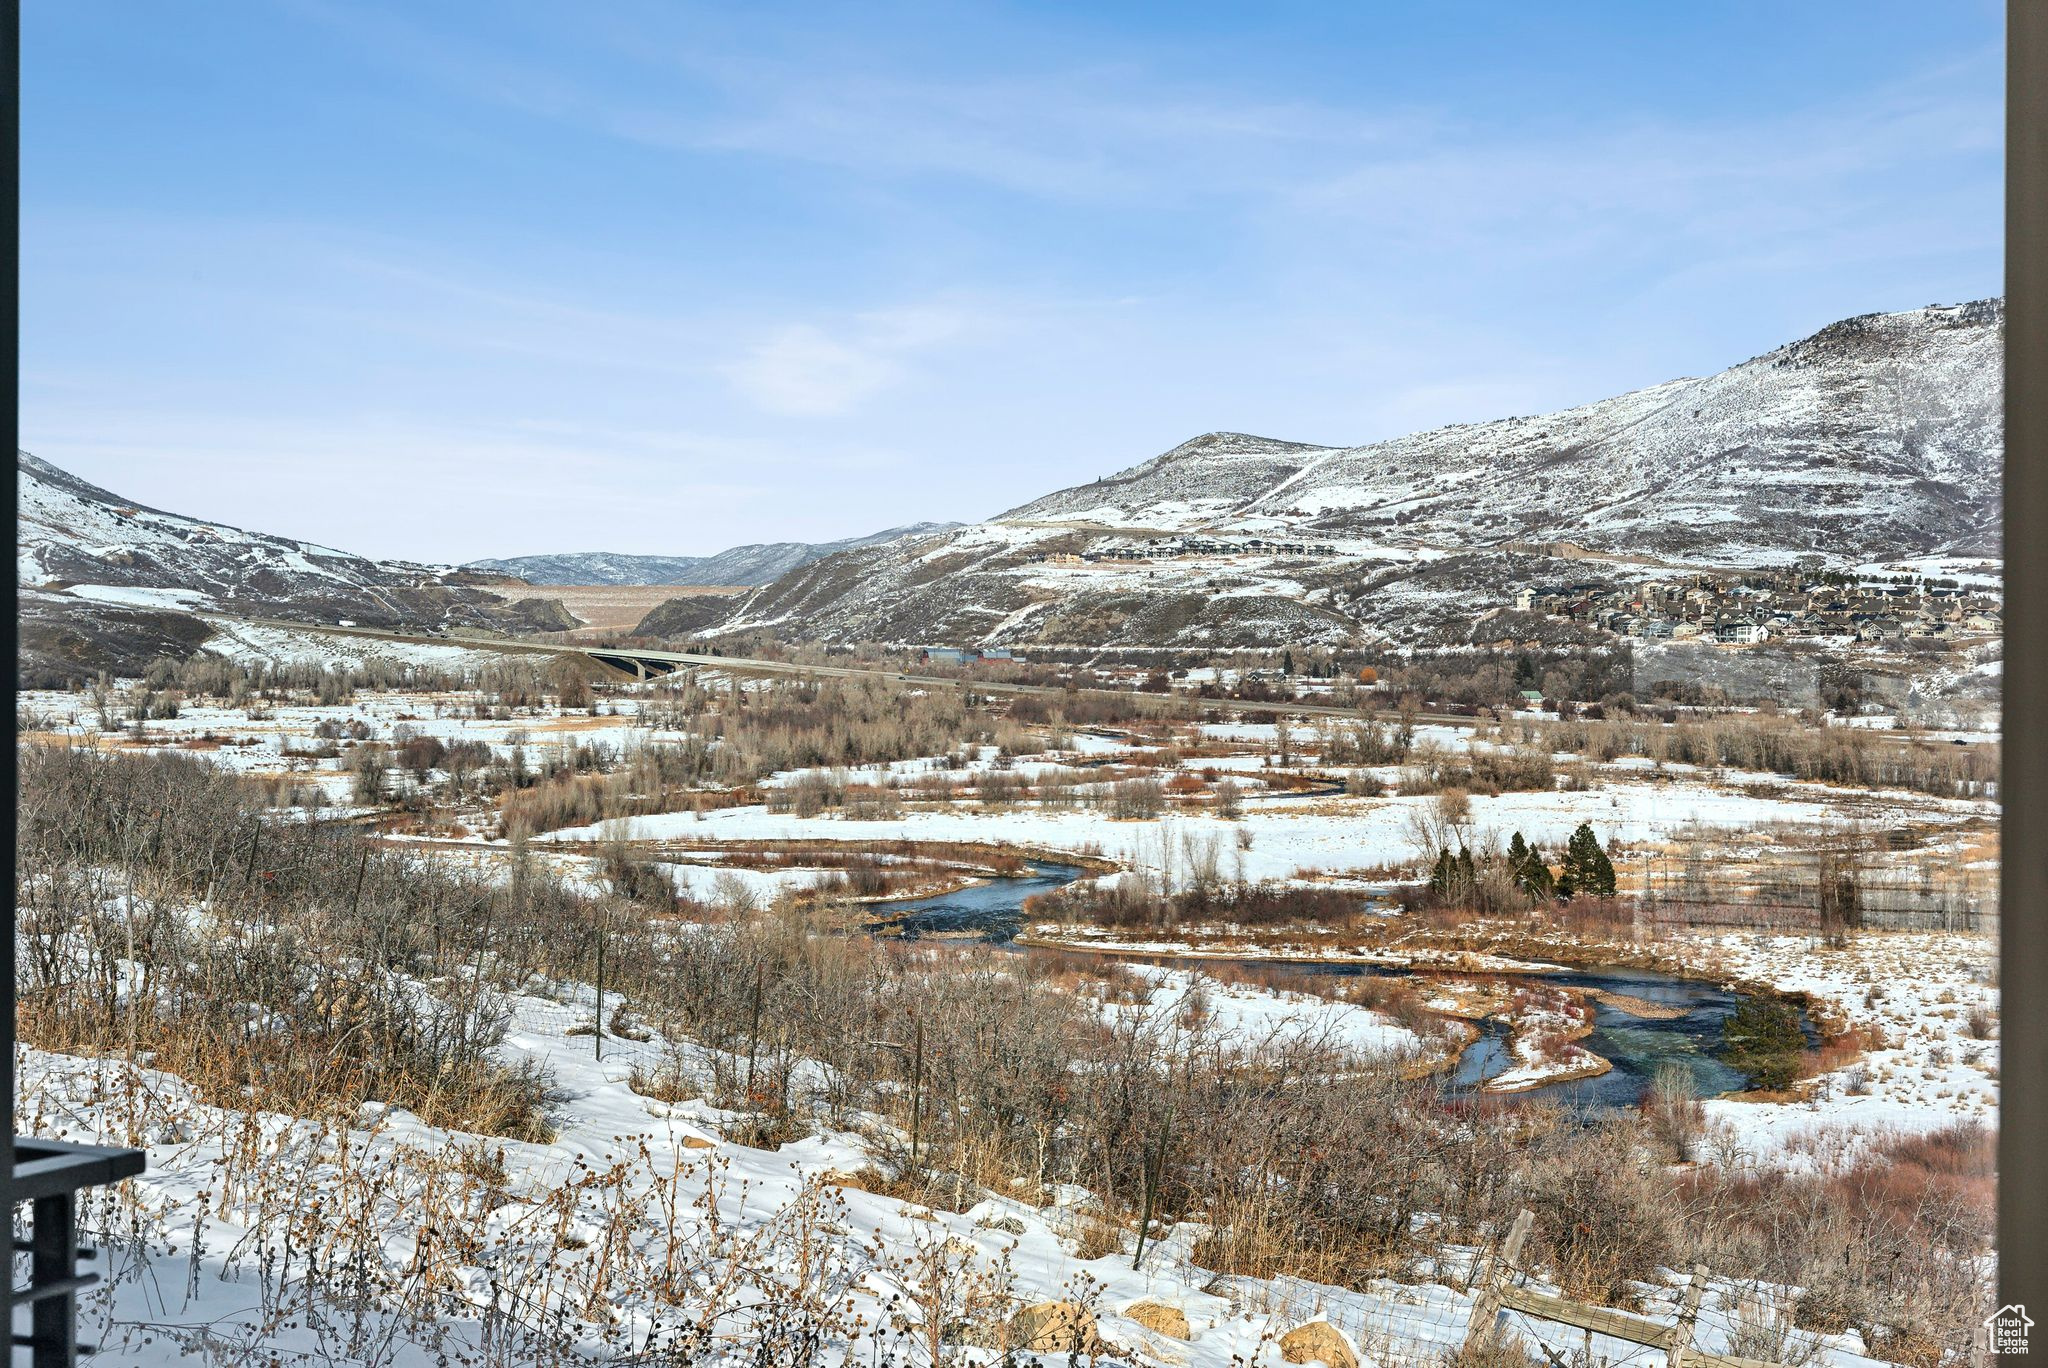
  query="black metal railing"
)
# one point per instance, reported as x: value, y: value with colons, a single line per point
x: 48, y: 1176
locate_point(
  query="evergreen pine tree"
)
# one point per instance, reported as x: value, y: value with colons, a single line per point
x: 1531, y: 874
x: 1440, y: 876
x: 1603, y: 873
x: 1586, y: 866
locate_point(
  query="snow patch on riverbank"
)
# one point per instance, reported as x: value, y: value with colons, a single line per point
x: 1918, y: 1001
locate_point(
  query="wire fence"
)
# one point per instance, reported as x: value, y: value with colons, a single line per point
x: 564, y: 1030
x: 1812, y: 891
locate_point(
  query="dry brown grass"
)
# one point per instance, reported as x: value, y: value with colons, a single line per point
x: 1837, y: 1050
x: 306, y: 1075
x: 613, y: 608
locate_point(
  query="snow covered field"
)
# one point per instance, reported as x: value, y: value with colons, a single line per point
x: 247, y: 641
x: 636, y: 1200
x: 1283, y: 838
x: 1244, y: 1015
x: 1925, y: 1008
x: 459, y: 1228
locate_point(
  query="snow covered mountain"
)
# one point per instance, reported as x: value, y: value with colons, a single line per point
x: 758, y: 563
x: 104, y: 578
x: 1879, y: 437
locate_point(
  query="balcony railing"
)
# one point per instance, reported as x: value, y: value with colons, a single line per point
x: 49, y: 1174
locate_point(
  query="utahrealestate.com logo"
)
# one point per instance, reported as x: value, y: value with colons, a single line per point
x: 2005, y: 1331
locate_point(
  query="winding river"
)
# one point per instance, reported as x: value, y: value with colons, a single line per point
x: 1636, y: 1045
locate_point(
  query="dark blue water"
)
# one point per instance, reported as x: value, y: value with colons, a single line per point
x: 1637, y: 1046
x: 995, y: 907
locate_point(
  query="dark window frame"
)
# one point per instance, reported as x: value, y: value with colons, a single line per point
x: 2023, y: 784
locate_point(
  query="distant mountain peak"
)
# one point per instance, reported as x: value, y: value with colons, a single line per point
x: 1874, y: 437
x: 757, y: 563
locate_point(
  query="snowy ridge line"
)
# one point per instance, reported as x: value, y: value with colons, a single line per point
x: 1875, y: 437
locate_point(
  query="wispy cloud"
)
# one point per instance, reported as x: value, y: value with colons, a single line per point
x: 1099, y: 129
x: 1124, y: 131
x: 1092, y: 134
x: 659, y: 243
x: 803, y: 370
x: 1807, y: 171
x: 808, y: 370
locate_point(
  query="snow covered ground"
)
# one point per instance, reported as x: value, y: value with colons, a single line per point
x: 135, y: 596
x: 1281, y: 838
x: 640, y: 1219
x: 1919, y: 1003
x: 249, y: 642
x: 272, y: 739
x: 1244, y: 1015
x: 630, y: 1179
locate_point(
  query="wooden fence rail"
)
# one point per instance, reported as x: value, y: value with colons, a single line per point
x: 1498, y: 1294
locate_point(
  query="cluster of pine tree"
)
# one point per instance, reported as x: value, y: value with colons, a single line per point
x: 1531, y: 873
x: 1454, y: 879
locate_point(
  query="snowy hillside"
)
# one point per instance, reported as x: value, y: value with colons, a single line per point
x: 757, y: 563
x: 1189, y: 486
x: 1878, y: 433
x: 102, y: 574
x: 1874, y: 439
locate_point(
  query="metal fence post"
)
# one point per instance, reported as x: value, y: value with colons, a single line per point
x: 52, y: 1261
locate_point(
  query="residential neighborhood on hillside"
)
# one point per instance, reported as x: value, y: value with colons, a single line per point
x: 1751, y: 608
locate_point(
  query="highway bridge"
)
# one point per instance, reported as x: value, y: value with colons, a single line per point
x: 647, y: 664
x: 643, y: 664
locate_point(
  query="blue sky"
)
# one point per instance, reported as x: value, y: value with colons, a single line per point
x: 447, y: 280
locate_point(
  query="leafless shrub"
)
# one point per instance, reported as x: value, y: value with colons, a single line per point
x: 1136, y: 799
x: 1781, y: 745
x: 1766, y: 1331
x: 1673, y: 1110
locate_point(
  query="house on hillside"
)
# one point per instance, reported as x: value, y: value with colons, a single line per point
x: 1740, y: 632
